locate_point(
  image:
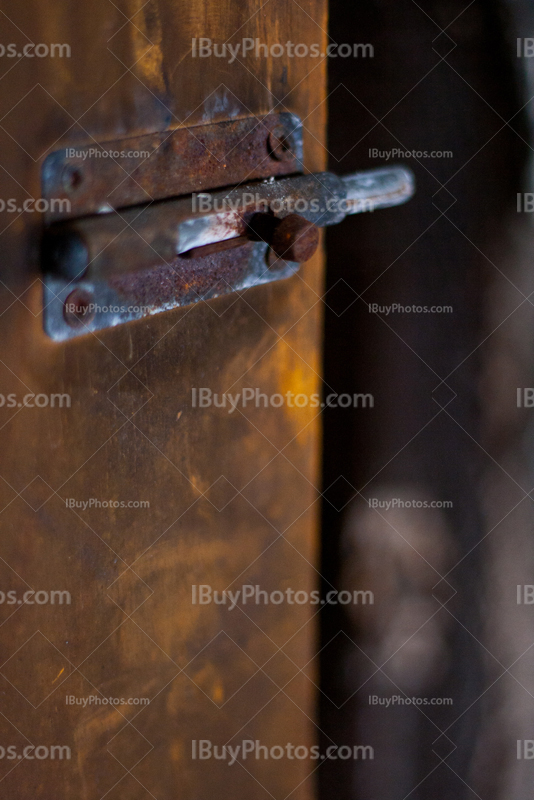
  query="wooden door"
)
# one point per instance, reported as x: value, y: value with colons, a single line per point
x: 227, y: 499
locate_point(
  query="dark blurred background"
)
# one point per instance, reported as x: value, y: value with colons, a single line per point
x: 444, y: 77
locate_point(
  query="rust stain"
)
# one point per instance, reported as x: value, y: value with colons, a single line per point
x: 146, y: 43
x: 176, y: 751
x: 185, y: 280
x: 217, y: 694
x: 60, y: 673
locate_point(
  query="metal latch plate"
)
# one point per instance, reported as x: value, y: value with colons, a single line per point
x: 99, y: 178
x: 107, y: 180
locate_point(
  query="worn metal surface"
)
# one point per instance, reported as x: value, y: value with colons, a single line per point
x: 100, y: 177
x: 134, y: 239
x: 232, y: 496
x: 92, y: 253
x: 131, y: 296
x: 295, y: 239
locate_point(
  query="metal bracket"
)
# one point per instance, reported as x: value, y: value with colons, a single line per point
x: 79, y: 181
x: 109, y: 260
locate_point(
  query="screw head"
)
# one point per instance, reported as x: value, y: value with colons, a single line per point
x: 295, y: 239
x: 72, y: 178
x: 78, y: 309
x: 281, y: 144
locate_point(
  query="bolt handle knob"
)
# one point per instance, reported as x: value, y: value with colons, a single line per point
x: 295, y: 239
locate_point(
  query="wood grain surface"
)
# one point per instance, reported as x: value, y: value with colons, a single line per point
x: 233, y: 497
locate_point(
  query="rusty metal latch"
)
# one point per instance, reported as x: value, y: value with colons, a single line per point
x: 136, y: 234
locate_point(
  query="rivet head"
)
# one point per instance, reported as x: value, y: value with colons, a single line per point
x: 281, y: 144
x: 72, y: 178
x: 78, y: 309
